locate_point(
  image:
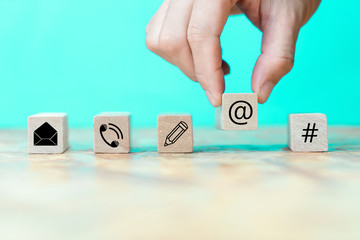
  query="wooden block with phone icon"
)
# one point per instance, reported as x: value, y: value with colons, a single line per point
x: 239, y: 111
x: 48, y: 133
x: 112, y: 133
x: 175, y: 133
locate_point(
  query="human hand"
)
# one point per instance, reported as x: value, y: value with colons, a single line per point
x: 187, y: 33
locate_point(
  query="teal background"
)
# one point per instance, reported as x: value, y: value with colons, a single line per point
x: 84, y: 57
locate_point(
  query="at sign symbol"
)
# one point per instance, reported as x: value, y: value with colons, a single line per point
x: 240, y: 111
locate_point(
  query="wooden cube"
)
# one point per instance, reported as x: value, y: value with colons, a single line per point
x: 239, y: 111
x: 112, y: 133
x: 175, y: 133
x: 308, y: 132
x: 48, y: 133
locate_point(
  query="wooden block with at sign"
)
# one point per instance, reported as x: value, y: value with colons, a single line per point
x: 112, y: 133
x: 308, y: 132
x: 48, y: 133
x: 175, y: 133
x: 239, y: 111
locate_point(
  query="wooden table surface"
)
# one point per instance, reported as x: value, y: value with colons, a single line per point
x: 236, y: 185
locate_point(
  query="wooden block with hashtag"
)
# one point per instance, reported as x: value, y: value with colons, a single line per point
x: 112, y: 133
x: 48, y: 133
x: 308, y: 132
x: 175, y: 133
x: 239, y: 111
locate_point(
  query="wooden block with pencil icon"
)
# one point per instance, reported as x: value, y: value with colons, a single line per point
x: 175, y: 133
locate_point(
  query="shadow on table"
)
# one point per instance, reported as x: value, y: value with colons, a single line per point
x: 241, y: 148
x: 333, y: 147
x: 344, y: 147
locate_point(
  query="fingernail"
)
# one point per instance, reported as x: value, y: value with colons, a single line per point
x: 265, y: 91
x: 226, y: 68
x: 210, y: 97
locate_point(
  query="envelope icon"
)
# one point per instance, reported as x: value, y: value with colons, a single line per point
x: 45, y: 135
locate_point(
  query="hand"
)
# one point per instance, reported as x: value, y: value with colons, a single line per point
x: 187, y: 33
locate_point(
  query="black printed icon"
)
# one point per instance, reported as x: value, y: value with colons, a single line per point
x: 240, y: 111
x: 310, y: 133
x: 116, y: 130
x: 176, y: 133
x: 45, y: 135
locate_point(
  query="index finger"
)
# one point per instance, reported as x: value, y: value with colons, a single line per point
x: 207, y: 21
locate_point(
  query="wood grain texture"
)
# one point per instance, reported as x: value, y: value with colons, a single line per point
x: 175, y: 133
x: 59, y: 123
x: 239, y: 111
x: 236, y: 185
x: 308, y: 132
x: 114, y: 128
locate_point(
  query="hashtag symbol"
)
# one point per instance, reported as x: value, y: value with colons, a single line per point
x: 309, y: 133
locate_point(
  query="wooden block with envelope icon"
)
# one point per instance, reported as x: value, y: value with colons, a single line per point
x: 48, y: 133
x: 175, y: 133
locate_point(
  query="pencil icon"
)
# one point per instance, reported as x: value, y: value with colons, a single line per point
x: 176, y: 133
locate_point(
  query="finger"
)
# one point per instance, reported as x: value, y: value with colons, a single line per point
x: 235, y: 10
x: 148, y: 26
x: 154, y: 27
x: 280, y: 34
x: 173, y: 36
x: 251, y: 10
x: 206, y: 25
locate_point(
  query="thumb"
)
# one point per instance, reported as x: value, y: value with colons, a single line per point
x: 280, y: 34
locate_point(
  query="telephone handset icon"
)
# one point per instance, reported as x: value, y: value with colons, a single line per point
x: 115, y: 129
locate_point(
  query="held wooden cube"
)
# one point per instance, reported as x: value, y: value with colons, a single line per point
x: 239, y: 111
x: 308, y: 132
x: 48, y: 133
x: 112, y: 133
x: 175, y: 133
